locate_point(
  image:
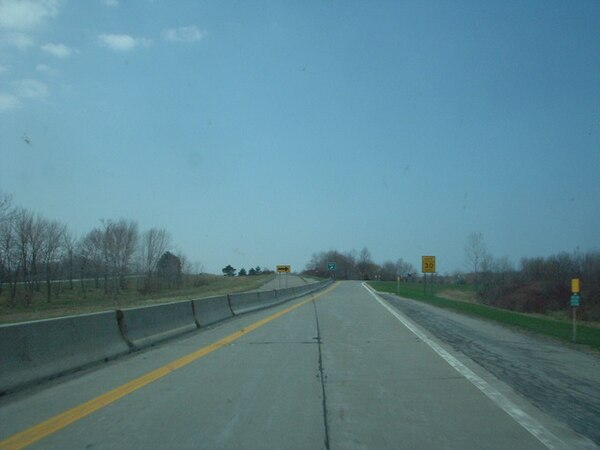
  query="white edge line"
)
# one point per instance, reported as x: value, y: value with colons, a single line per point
x: 521, y: 417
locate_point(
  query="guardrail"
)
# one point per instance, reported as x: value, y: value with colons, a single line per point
x: 32, y: 352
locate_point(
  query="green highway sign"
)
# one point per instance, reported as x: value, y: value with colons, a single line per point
x: 575, y: 300
x: 331, y: 266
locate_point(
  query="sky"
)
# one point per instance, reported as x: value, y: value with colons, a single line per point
x: 259, y: 133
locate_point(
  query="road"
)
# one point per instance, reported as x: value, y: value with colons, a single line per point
x: 283, y: 280
x: 338, y: 370
x: 559, y: 378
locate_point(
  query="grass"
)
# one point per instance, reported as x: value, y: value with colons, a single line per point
x: 89, y: 299
x: 547, y: 326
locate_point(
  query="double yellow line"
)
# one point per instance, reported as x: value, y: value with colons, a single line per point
x: 56, y: 423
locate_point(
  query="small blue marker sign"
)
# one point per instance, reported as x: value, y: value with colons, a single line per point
x: 575, y: 300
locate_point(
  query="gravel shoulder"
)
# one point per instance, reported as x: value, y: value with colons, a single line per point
x: 560, y: 379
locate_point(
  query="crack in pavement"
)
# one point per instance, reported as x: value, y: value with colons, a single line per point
x: 322, y: 376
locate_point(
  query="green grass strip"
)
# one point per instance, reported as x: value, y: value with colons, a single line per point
x: 549, y: 327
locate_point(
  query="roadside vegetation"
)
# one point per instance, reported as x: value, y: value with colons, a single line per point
x: 437, y: 295
x: 538, y: 285
x: 48, y: 271
x: 534, y: 296
x: 74, y: 300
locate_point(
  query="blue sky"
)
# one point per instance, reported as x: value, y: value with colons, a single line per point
x: 258, y: 133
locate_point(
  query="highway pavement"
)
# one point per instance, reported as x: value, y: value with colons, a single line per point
x: 340, y: 369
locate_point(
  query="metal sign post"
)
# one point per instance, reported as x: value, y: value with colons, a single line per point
x: 331, y: 267
x: 427, y: 266
x: 283, y: 268
x: 575, y: 300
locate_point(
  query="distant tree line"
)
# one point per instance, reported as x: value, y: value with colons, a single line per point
x: 538, y: 285
x: 36, y: 252
x: 358, y: 266
x: 229, y: 271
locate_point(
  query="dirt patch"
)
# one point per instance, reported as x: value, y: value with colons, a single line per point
x: 462, y: 296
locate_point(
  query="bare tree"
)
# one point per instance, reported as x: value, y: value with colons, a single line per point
x: 9, y: 255
x: 6, y: 241
x: 388, y: 271
x: 153, y: 244
x: 91, y: 254
x: 69, y: 242
x: 6, y: 210
x: 23, y: 228
x: 475, y: 252
x: 404, y: 269
x: 365, y: 266
x: 120, y: 241
x: 52, y: 233
x: 186, y: 265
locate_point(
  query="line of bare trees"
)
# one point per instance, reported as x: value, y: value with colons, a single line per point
x: 357, y: 266
x: 539, y: 284
x: 36, y: 252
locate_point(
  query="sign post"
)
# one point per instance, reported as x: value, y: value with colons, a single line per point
x: 575, y: 289
x: 427, y: 266
x: 284, y: 268
x: 331, y: 266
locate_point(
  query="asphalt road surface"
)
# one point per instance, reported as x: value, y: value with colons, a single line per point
x: 561, y: 379
x: 338, y: 370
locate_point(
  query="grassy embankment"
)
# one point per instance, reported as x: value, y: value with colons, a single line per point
x: 557, y: 328
x: 91, y: 299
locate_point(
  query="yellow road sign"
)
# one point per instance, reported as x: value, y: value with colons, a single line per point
x: 284, y: 268
x: 428, y: 264
x: 575, y: 286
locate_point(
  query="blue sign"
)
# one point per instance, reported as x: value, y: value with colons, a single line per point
x: 575, y: 300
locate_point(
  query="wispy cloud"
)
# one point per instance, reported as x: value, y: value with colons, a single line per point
x: 58, y: 50
x: 16, y: 39
x: 27, y: 14
x: 184, y: 34
x: 18, y: 18
x: 29, y: 88
x: 3, y: 69
x: 122, y: 42
x: 43, y: 68
x: 8, y: 102
x: 111, y: 3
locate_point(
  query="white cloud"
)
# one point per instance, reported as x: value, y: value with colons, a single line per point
x: 111, y: 3
x: 43, y: 68
x: 122, y: 42
x: 28, y: 88
x: 3, y: 69
x: 27, y: 14
x: 184, y: 34
x: 20, y: 40
x: 8, y: 102
x: 58, y: 50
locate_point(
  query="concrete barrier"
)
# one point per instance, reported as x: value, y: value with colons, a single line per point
x: 212, y: 310
x: 149, y: 325
x: 287, y: 294
x: 252, y: 301
x: 302, y: 290
x: 244, y: 302
x: 269, y: 298
x: 31, y: 352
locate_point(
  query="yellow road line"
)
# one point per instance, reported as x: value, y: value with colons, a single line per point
x: 60, y: 421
